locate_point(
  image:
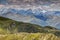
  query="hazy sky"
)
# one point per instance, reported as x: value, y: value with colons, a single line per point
x: 50, y: 5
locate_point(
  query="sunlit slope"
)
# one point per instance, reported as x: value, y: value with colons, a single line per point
x: 30, y: 36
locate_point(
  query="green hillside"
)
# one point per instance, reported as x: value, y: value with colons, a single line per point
x: 11, y: 26
x: 14, y: 30
x: 14, y: 26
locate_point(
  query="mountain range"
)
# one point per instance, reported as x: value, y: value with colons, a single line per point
x: 34, y: 16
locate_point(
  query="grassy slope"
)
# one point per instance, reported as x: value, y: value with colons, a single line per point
x: 14, y: 26
x: 26, y: 31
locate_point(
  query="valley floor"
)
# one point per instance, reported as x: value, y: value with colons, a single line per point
x: 29, y: 36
